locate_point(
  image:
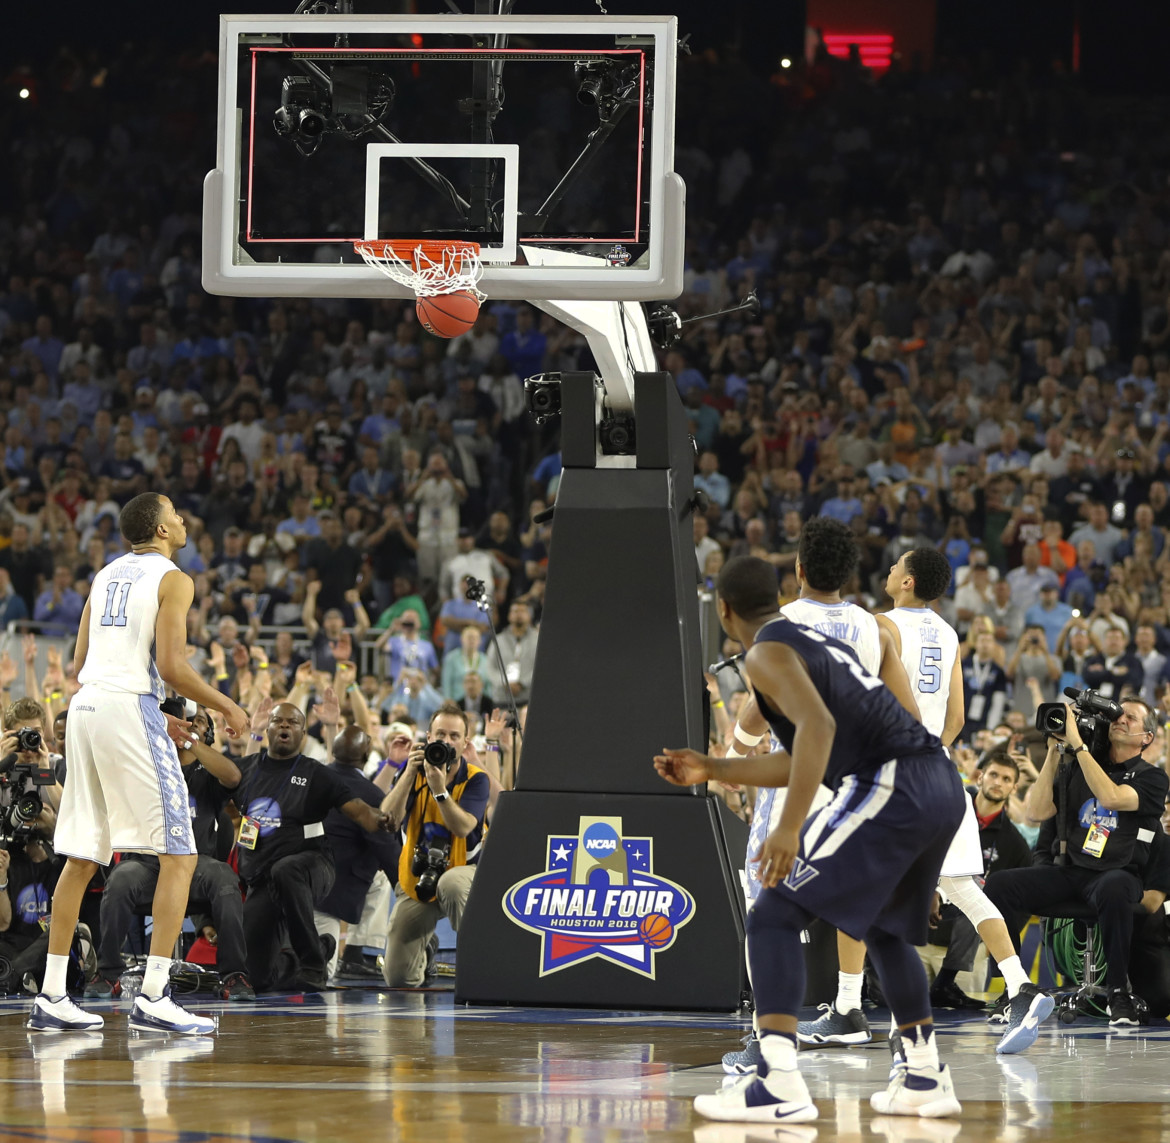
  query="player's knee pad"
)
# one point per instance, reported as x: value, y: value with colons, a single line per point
x: 966, y: 895
x: 774, y: 911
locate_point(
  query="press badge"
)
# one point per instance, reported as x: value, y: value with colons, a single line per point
x: 1095, y: 840
x: 512, y: 672
x: 975, y: 709
x: 249, y: 833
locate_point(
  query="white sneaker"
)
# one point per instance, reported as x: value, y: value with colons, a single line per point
x: 924, y: 1092
x: 752, y: 1101
x: 164, y: 1015
x: 60, y: 1015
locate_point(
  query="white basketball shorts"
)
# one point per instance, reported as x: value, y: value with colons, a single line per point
x: 965, y: 857
x: 124, y: 788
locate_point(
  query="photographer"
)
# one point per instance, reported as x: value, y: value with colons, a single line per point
x: 1107, y: 815
x: 438, y: 801
x: 210, y: 778
x: 24, y: 764
x: 28, y: 876
x: 285, y: 860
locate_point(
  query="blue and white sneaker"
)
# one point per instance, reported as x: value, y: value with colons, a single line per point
x: 833, y: 1027
x: 750, y: 1100
x: 925, y: 1092
x: 1027, y: 1010
x: 745, y: 1062
x: 60, y: 1015
x: 164, y: 1015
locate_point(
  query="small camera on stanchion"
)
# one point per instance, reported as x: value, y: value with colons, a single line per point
x: 542, y: 396
x: 1094, y: 715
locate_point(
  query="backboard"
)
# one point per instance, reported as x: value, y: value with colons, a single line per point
x: 548, y: 140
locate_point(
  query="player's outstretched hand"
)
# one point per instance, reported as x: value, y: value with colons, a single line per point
x: 180, y: 732
x: 777, y: 855
x: 682, y: 767
x: 237, y: 721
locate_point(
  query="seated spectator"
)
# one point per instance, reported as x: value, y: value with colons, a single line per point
x: 440, y: 811
x: 357, y: 853
x: 285, y: 860
x: 1003, y: 847
x: 210, y: 777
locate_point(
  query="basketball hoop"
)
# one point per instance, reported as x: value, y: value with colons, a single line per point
x: 428, y: 267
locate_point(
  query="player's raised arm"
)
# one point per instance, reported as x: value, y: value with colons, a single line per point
x: 175, y: 593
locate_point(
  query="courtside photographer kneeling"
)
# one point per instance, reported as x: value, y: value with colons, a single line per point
x: 1107, y: 802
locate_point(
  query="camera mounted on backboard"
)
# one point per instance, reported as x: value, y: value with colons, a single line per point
x: 542, y: 396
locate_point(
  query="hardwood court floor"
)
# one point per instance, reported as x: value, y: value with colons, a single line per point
x: 411, y: 1066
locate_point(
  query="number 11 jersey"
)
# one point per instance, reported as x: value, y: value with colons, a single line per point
x: 123, y: 610
x: 929, y: 649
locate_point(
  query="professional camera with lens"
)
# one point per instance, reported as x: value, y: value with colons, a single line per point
x: 428, y: 864
x: 19, y: 807
x: 440, y: 754
x: 187, y: 709
x: 28, y: 740
x: 1094, y: 712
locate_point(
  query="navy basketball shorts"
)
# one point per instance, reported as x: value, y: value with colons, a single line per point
x: 873, y: 855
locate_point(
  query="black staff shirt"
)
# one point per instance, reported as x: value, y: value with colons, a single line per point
x: 207, y: 797
x: 288, y: 799
x: 1129, y: 830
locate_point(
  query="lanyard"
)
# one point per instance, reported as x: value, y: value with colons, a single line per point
x: 980, y: 675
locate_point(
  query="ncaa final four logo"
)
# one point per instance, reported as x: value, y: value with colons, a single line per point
x: 599, y: 897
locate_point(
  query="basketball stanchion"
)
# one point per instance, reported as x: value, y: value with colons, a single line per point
x: 442, y: 274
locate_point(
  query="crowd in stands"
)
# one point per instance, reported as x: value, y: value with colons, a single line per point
x: 963, y: 341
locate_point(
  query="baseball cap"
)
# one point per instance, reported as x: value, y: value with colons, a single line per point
x: 399, y: 729
x: 1049, y: 587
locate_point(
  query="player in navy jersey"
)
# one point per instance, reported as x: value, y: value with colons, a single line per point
x: 867, y: 862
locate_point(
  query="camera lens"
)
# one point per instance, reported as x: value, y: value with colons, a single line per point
x: 439, y: 754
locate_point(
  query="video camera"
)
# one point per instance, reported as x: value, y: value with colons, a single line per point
x: 19, y: 816
x: 1094, y: 712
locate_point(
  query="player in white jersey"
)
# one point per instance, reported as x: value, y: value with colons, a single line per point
x: 825, y: 563
x: 124, y: 789
x: 929, y: 649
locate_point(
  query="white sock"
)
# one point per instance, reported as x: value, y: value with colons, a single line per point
x: 156, y: 977
x: 1014, y: 975
x: 54, y: 982
x: 919, y: 1045
x: 779, y: 1073
x: 848, y: 991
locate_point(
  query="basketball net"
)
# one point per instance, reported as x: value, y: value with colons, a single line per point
x: 427, y: 267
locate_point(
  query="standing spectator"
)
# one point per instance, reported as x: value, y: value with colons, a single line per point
x: 984, y: 688
x: 518, y: 648
x: 332, y: 641
x: 406, y: 648
x: 392, y: 549
x: 438, y: 496
x: 1033, y: 672
x: 712, y: 481
x: 301, y: 524
x: 1049, y: 614
x: 1154, y: 669
x: 59, y: 607
x: 336, y: 564
x: 1007, y: 616
x: 12, y: 606
x: 466, y: 657
x: 1027, y: 580
x: 525, y: 346
x: 1097, y: 528
x: 470, y: 561
x: 1115, y: 672
x: 26, y: 564
x: 372, y: 483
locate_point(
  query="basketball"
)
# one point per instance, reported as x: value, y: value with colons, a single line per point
x: 448, y: 315
x: 655, y: 930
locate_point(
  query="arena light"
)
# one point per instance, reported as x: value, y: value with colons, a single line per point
x: 875, y: 48
x: 24, y: 93
x: 785, y: 62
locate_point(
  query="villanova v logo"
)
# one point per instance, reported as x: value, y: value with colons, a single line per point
x: 800, y: 874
